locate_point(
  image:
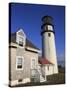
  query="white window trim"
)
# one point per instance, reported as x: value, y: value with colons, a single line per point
x: 23, y: 40
x: 31, y: 62
x: 22, y: 62
x: 24, y: 37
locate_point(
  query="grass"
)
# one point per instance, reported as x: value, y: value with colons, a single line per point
x: 56, y: 78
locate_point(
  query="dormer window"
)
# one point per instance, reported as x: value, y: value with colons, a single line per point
x: 20, y: 38
x: 21, y: 41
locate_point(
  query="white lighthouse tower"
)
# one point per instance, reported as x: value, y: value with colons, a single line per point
x: 48, y: 41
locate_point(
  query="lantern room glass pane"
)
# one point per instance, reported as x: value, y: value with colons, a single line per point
x: 50, y: 27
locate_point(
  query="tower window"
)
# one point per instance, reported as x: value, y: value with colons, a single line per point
x: 49, y: 34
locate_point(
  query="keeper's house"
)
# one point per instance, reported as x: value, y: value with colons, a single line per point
x: 23, y: 58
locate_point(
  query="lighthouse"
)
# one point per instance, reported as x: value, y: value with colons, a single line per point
x: 48, y: 41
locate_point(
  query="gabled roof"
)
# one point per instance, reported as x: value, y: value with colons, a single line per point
x: 44, y: 61
x: 30, y: 44
x: 12, y: 38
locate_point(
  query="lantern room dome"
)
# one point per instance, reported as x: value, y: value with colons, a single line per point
x: 47, y: 20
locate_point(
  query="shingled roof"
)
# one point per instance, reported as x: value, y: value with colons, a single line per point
x: 12, y: 38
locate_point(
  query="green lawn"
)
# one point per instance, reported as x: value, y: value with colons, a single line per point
x: 56, y: 78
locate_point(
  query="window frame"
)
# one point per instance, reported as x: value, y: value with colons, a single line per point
x: 22, y: 62
x: 31, y: 63
x: 23, y: 40
x: 18, y: 36
x: 49, y: 34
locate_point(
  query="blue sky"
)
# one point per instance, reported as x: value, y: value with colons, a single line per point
x: 28, y: 17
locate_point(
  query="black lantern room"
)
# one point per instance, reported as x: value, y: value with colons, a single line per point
x: 47, y: 24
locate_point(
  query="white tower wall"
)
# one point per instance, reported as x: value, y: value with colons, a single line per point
x: 48, y: 41
x: 49, y: 49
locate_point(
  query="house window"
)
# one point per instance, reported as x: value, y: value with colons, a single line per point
x: 49, y: 34
x: 19, y: 63
x: 33, y: 66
